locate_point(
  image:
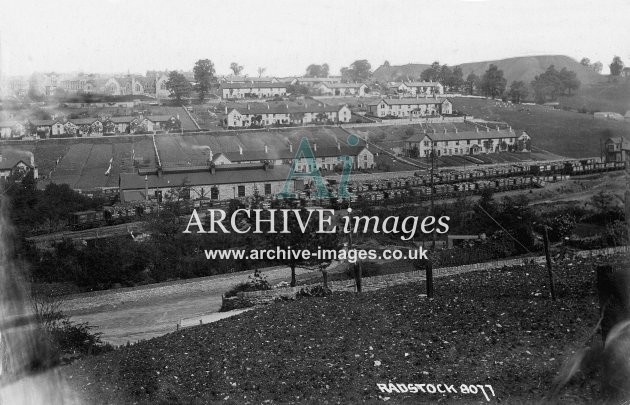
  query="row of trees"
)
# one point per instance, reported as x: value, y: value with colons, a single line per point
x: 616, y: 66
x: 553, y: 83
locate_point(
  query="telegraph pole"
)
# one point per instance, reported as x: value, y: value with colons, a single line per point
x: 433, y: 188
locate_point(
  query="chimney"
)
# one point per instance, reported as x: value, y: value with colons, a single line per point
x: 266, y: 149
x: 210, y: 155
x: 444, y: 129
x: 315, y: 147
x: 0, y: 157
x: 240, y: 150
x: 226, y: 111
x: 268, y: 106
x: 497, y: 128
x: 338, y: 146
x: 477, y: 129
x: 290, y: 147
x: 248, y: 107
x: 510, y: 129
x: 487, y: 129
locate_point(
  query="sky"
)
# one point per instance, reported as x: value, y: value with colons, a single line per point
x: 285, y: 36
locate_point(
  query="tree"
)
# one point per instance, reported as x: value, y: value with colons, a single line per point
x: 553, y: 83
x: 359, y: 71
x: 472, y: 82
x: 178, y: 85
x: 432, y: 74
x: 569, y: 80
x: 386, y: 64
x: 518, y: 91
x: 236, y: 68
x: 456, y: 79
x: 597, y: 67
x: 303, y: 240
x: 493, y: 83
x: 616, y: 66
x: 261, y: 71
x: 585, y: 62
x: 204, y: 75
x: 314, y: 70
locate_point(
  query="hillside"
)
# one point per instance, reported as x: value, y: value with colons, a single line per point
x: 562, y: 132
x: 602, y: 96
x: 492, y: 327
x: 520, y: 68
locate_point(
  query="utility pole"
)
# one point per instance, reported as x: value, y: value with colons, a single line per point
x: 432, y: 189
x: 356, y: 265
x: 548, y: 258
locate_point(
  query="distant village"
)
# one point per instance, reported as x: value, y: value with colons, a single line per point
x: 136, y: 137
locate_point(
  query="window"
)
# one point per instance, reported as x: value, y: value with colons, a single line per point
x: 214, y: 193
x: 468, y: 142
x: 241, y: 191
x: 267, y: 189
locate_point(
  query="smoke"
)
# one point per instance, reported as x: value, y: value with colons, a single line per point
x: 26, y: 376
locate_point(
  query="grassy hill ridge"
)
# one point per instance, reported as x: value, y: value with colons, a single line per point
x: 518, y: 68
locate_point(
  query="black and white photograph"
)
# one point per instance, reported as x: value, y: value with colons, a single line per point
x: 314, y: 202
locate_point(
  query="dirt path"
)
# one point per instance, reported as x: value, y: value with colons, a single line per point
x: 133, y: 314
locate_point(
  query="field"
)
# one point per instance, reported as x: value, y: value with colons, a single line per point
x: 604, y: 96
x: 562, y: 132
x: 492, y: 327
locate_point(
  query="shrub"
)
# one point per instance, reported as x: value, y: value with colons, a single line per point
x: 256, y: 282
x: 316, y: 291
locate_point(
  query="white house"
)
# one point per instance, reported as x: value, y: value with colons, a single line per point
x: 243, y: 116
x: 416, y: 88
x: 252, y: 90
x: 467, y: 142
x: 410, y: 107
x: 342, y: 89
x: 12, y: 161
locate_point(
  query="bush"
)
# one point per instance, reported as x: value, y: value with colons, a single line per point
x: 256, y: 282
x: 316, y: 291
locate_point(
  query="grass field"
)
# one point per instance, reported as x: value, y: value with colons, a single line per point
x: 491, y: 327
x: 562, y: 132
x: 604, y: 96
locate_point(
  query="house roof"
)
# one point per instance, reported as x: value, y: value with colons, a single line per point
x: 409, y: 101
x: 42, y: 123
x: 253, y: 86
x: 8, y: 124
x: 283, y: 108
x: 134, y: 181
x: 463, y: 135
x: 83, y: 121
x: 422, y: 84
x: 160, y: 118
x: 11, y: 157
x: 344, y: 85
x: 120, y: 120
x: 319, y: 79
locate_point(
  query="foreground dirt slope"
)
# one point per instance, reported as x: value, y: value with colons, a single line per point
x: 497, y: 328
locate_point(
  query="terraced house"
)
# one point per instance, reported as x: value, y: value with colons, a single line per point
x: 342, y: 89
x: 261, y: 115
x: 230, y: 91
x: 410, y: 107
x: 416, y: 88
x: 467, y: 142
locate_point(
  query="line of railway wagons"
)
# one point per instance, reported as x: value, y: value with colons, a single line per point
x: 447, y: 183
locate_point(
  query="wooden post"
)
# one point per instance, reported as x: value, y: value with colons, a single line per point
x: 429, y: 279
x: 613, y: 287
x: 549, y: 267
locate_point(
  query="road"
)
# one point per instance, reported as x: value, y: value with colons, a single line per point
x: 133, y: 314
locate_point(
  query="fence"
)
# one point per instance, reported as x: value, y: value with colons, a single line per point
x: 388, y: 280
